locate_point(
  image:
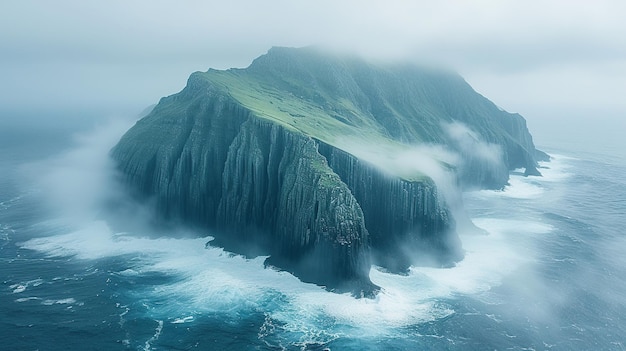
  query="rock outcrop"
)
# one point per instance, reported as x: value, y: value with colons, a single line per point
x: 257, y: 155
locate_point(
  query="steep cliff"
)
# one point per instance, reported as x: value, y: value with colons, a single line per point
x: 407, y: 220
x: 212, y: 163
x: 269, y: 156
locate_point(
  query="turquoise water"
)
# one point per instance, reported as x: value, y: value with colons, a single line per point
x: 549, y: 274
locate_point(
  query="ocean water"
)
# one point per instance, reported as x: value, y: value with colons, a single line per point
x: 549, y: 273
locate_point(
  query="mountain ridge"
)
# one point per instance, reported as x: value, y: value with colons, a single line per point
x: 397, y: 105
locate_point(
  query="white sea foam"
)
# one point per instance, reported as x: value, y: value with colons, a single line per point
x: 155, y: 337
x: 18, y: 288
x: 30, y: 298
x: 21, y: 287
x: 210, y: 280
x: 129, y: 273
x: 532, y: 187
x: 182, y: 320
x: 558, y: 169
x: 66, y: 301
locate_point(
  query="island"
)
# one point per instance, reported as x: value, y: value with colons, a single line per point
x: 294, y: 157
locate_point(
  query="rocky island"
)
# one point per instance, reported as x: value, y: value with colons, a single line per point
x: 286, y: 157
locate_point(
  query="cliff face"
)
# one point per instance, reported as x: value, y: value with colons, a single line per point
x: 408, y: 221
x: 255, y: 182
x: 276, y: 182
x: 256, y: 155
x: 406, y: 104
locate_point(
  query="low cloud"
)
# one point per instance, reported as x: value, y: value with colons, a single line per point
x: 81, y: 184
x: 447, y: 165
x: 481, y: 163
x: 469, y: 143
x: 435, y: 161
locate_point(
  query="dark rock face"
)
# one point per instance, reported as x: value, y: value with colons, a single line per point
x: 254, y: 182
x: 407, y: 220
x: 232, y: 155
x: 277, y: 182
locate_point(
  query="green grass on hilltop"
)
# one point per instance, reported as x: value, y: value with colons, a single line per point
x: 335, y: 121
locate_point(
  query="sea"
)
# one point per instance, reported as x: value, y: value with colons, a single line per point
x: 81, y: 269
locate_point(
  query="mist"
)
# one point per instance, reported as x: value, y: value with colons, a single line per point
x: 80, y: 185
x: 470, y: 142
x: 120, y: 56
x: 445, y: 165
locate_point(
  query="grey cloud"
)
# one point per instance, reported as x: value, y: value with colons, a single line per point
x: 132, y: 53
x: 140, y: 30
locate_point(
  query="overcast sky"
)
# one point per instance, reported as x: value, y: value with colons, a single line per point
x: 548, y: 60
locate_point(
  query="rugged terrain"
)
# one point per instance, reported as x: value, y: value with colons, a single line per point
x: 287, y: 158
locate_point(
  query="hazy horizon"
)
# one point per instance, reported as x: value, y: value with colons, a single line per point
x: 561, y: 64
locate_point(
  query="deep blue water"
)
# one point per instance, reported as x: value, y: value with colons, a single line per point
x: 549, y: 275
